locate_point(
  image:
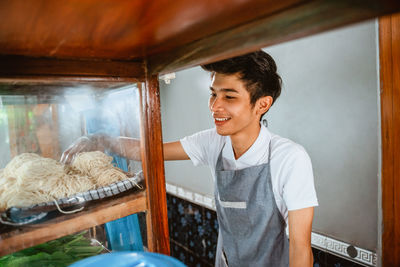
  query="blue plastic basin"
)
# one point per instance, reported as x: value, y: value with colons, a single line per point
x: 129, y: 259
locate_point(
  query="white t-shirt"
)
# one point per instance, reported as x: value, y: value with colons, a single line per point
x: 291, y: 170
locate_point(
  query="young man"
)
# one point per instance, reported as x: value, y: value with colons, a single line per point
x: 262, y: 181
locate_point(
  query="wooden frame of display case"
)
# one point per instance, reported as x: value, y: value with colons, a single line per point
x: 389, y: 53
x: 152, y: 200
x: 28, y: 236
x: 135, y: 41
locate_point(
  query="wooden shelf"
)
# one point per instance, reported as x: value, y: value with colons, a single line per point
x: 13, y: 239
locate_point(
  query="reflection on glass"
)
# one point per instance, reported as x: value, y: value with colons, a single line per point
x: 48, y: 124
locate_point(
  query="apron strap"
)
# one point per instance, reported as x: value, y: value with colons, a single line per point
x: 269, y: 151
x: 219, y: 165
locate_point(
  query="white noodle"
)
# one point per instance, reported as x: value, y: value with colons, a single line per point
x: 30, y: 179
x: 98, y: 165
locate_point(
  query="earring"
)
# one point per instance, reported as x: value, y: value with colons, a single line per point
x: 265, y: 122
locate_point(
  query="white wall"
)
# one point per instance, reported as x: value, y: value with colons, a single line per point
x: 184, y: 111
x: 328, y: 104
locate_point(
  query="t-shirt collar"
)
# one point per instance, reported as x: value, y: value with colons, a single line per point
x: 253, y: 155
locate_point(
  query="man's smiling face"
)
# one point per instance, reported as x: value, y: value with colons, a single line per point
x: 230, y: 106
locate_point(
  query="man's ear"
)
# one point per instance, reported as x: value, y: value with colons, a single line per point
x: 263, y: 104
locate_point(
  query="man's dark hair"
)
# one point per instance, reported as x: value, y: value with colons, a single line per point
x: 257, y: 70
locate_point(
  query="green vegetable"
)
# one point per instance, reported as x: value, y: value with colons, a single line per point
x: 57, y: 253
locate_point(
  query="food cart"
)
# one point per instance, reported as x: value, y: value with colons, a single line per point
x: 51, y: 47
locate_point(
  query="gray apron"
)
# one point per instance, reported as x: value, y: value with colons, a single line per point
x: 251, y: 227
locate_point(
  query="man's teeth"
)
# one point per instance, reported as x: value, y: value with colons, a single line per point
x: 221, y: 119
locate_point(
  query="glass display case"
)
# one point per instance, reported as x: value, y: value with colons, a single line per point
x: 44, y: 119
x: 72, y: 46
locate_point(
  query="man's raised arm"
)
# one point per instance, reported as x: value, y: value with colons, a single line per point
x: 124, y: 146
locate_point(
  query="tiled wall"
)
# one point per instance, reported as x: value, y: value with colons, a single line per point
x: 194, y: 230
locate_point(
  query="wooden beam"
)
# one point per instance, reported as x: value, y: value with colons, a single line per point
x: 19, y: 67
x: 55, y: 89
x: 153, y: 167
x: 389, y: 57
x: 51, y: 79
x: 93, y: 214
x: 294, y: 22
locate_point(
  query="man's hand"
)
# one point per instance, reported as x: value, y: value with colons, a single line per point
x: 300, y: 225
x: 124, y: 146
x: 82, y: 144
